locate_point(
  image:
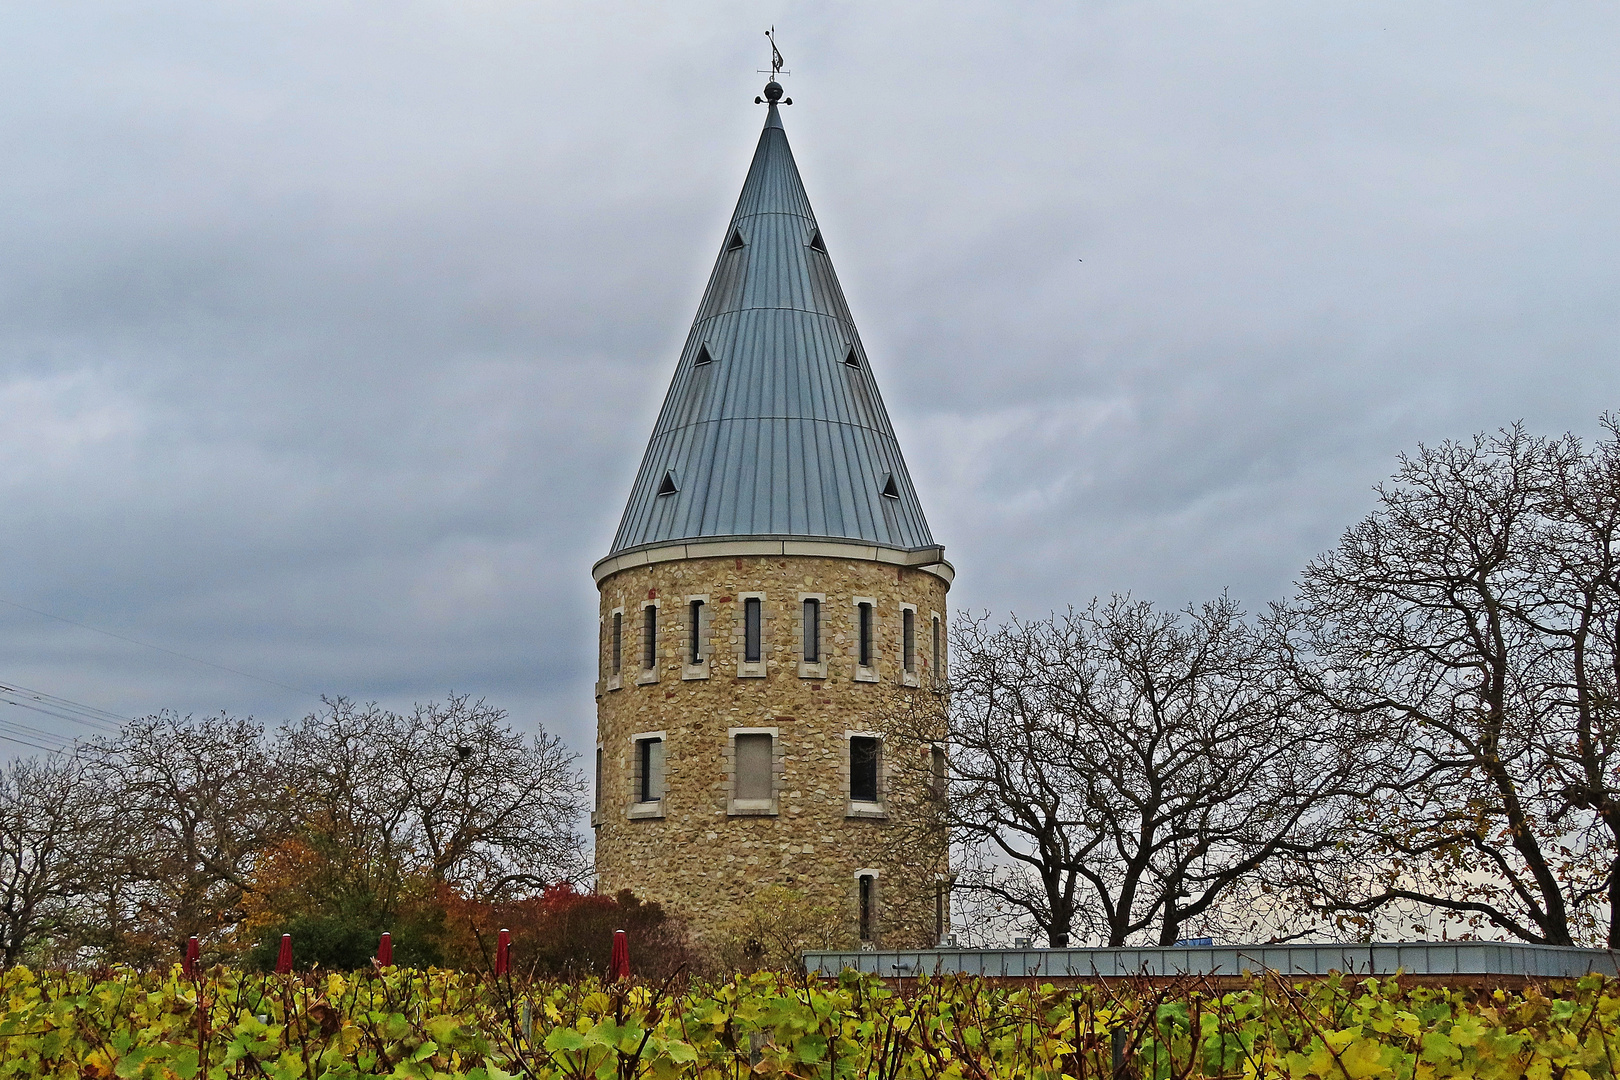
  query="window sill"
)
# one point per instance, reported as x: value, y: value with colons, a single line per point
x: 859, y: 808
x: 646, y: 810
x: 812, y: 671
x: 647, y: 678
x: 865, y: 674
x: 615, y: 683
x: 752, y: 808
x: 746, y: 670
x: 596, y: 819
x: 694, y: 671
x: 909, y: 678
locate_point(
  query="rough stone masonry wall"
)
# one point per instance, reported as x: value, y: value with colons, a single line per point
x: 703, y: 856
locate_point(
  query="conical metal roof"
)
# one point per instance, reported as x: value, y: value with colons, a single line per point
x: 773, y: 427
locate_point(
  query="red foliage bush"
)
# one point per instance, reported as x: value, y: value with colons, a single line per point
x: 564, y: 932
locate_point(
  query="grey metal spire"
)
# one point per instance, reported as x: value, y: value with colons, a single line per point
x: 773, y: 426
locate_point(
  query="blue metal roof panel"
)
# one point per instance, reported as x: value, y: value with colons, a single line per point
x: 776, y: 435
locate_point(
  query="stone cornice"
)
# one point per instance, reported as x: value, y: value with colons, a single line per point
x: 930, y: 560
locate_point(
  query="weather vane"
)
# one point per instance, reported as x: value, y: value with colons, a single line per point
x: 773, y: 89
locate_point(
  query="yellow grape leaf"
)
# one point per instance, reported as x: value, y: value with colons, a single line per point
x: 1365, y: 1058
x: 1438, y: 1048
x: 1467, y: 1030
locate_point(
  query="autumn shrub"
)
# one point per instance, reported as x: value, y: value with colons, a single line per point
x: 565, y: 932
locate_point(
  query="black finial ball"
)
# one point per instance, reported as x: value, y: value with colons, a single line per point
x: 773, y: 91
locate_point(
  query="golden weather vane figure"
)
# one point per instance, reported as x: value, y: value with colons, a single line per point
x: 773, y: 89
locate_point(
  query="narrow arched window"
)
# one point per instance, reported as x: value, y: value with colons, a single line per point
x: 865, y: 633
x: 695, y: 633
x: 812, y: 631
x: 938, y: 673
x: 752, y: 643
x: 908, y: 640
x: 867, y: 885
x: 649, y: 637
x: 618, y: 642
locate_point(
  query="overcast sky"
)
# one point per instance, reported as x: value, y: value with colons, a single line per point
x: 331, y: 334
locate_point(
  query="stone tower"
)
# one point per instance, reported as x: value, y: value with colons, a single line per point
x: 772, y: 589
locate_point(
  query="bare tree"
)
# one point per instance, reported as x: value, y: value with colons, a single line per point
x: 449, y: 790
x: 196, y: 801
x: 1473, y: 614
x: 1117, y: 772
x: 47, y: 814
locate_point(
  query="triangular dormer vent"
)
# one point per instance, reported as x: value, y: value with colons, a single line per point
x: 703, y: 356
x: 851, y: 359
x: 891, y: 490
x: 667, y: 487
x: 817, y: 243
x: 736, y: 240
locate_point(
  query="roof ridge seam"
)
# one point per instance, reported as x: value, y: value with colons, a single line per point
x: 805, y: 419
x: 773, y: 307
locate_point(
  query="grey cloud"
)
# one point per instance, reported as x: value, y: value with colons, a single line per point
x: 330, y: 337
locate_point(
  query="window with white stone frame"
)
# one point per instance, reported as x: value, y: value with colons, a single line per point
x: 908, y: 645
x: 754, y: 769
x: 864, y: 774
x: 596, y: 803
x: 812, y: 636
x: 752, y: 635
x: 649, y: 643
x: 615, y: 649
x: 863, y: 648
x: 866, y: 907
x: 647, y: 777
x: 696, y: 629
x: 936, y: 655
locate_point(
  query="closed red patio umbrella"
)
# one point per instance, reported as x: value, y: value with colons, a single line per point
x: 619, y: 966
x: 503, y: 953
x: 385, y: 951
x: 284, y: 958
x: 189, y: 966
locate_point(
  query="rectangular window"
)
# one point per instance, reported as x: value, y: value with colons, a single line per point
x: 868, y: 886
x: 934, y: 658
x: 753, y: 767
x: 618, y: 641
x: 812, y: 631
x: 695, y: 630
x: 936, y: 772
x: 650, y: 770
x: 865, y: 635
x: 863, y: 768
x: 908, y: 640
x: 598, y: 778
x: 751, y: 630
x: 649, y: 637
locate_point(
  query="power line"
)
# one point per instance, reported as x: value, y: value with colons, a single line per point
x: 61, y: 707
x: 32, y: 745
x: 23, y: 735
x: 159, y: 648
